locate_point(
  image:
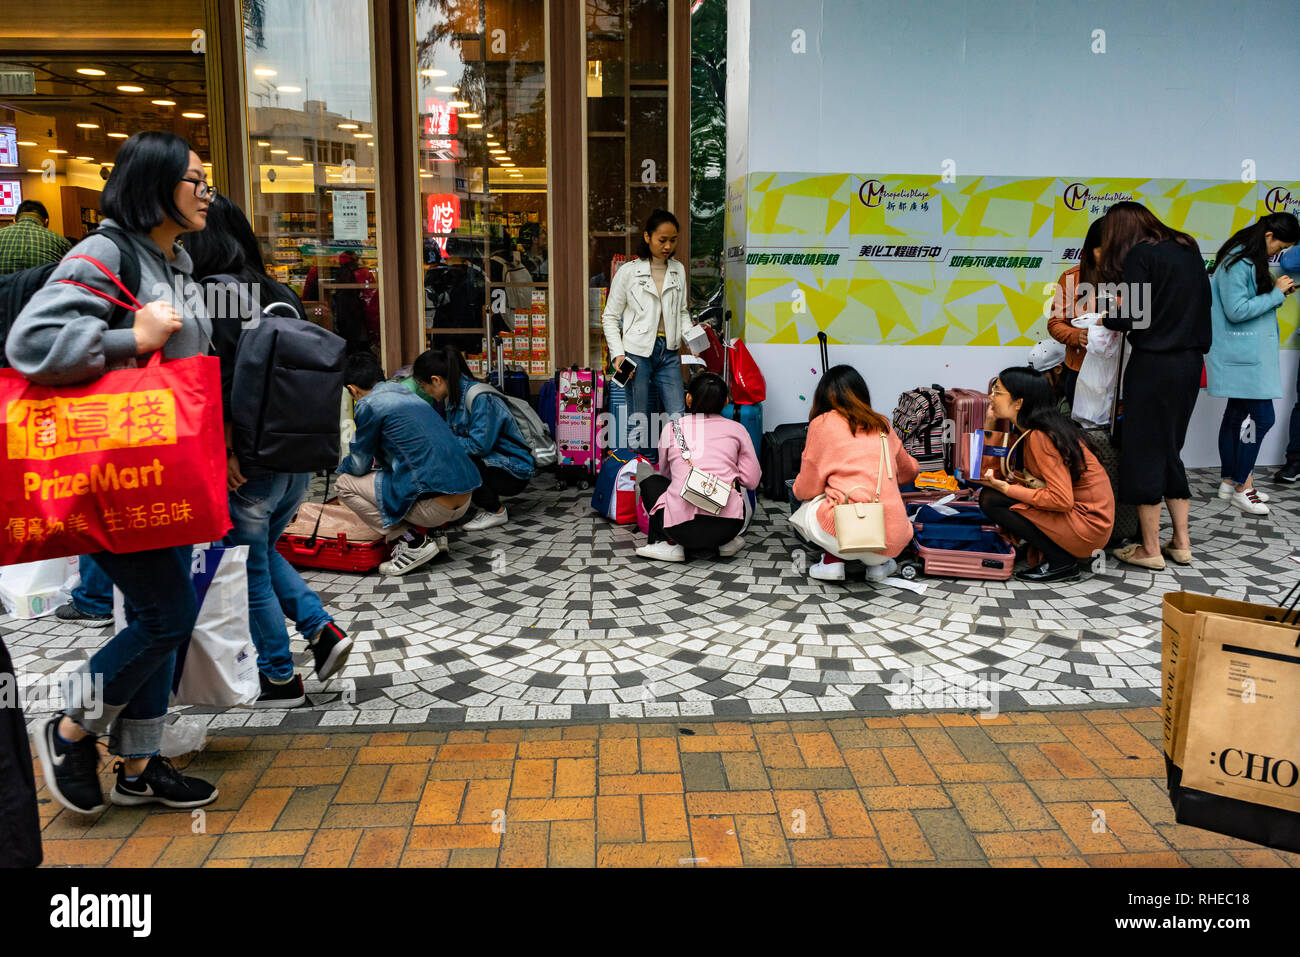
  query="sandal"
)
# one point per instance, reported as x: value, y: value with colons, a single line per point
x: 1182, y: 556
x: 1127, y: 554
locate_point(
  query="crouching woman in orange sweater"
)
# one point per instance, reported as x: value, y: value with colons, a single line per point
x: 843, y: 455
x: 1061, y: 502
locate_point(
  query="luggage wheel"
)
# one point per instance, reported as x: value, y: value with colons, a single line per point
x: 583, y: 485
x: 908, y: 570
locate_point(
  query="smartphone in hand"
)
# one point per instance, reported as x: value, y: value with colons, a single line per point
x: 623, y: 373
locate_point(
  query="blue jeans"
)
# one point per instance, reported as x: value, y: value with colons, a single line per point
x: 136, y: 664
x: 1237, y: 458
x: 94, y: 595
x: 664, y: 366
x: 260, y: 510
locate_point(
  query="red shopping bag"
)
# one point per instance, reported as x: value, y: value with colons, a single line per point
x: 132, y: 461
x: 748, y: 386
x: 714, y: 355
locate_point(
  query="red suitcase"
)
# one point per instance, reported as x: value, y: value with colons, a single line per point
x: 341, y: 543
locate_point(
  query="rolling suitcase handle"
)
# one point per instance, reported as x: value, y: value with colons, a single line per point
x: 821, y: 341
x: 726, y: 349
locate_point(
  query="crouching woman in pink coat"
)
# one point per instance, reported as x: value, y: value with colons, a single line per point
x: 843, y: 456
x: 716, y: 445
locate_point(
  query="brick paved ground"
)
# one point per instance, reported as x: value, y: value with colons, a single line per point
x: 1021, y: 790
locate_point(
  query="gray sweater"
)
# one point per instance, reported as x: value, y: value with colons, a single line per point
x: 62, y: 337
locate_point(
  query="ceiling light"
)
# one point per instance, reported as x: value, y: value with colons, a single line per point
x: 195, y: 116
x: 426, y: 176
x: 446, y: 89
x: 26, y: 142
x: 496, y: 149
x: 364, y: 136
x: 476, y: 126
x: 263, y: 143
x: 433, y: 72
x: 208, y: 165
x: 279, y: 152
x: 263, y: 71
x: 128, y: 88
x: 507, y: 164
x: 88, y: 126
x: 296, y: 159
x: 289, y: 89
x: 86, y: 159
x: 459, y: 104
x: 163, y: 102
x: 90, y: 71
x: 38, y: 171
x: 349, y: 126
x: 469, y: 116
x: 516, y: 175
x: 56, y: 152
x: 119, y: 136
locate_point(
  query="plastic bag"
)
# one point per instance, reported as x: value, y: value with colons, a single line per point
x: 1094, y: 393
x: 183, y: 733
x: 34, y: 589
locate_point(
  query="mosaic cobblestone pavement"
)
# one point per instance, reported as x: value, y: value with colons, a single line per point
x: 554, y: 618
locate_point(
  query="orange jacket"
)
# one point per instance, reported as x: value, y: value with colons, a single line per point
x: 1063, y: 310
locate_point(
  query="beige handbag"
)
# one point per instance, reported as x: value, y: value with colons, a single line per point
x: 702, y: 489
x: 860, y: 526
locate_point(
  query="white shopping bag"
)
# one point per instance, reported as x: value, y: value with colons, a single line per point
x: 217, y: 667
x: 34, y: 589
x: 1094, y: 392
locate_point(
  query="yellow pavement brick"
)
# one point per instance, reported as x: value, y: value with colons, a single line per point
x: 1106, y: 716
x: 441, y: 836
x: 300, y: 777
x: 1068, y: 759
x: 572, y: 844
x: 369, y: 815
x: 497, y: 735
x: 1090, y: 741
x: 619, y: 756
x: 440, y: 802
x: 1025, y: 733
x: 466, y: 736
x: 1061, y: 862
x: 188, y: 851
x: 800, y: 809
x: 1025, y: 844
x: 1126, y: 823
x: 332, y: 848
x: 869, y: 767
x: 819, y: 750
x: 469, y: 770
x: 978, y: 808
x: 473, y: 857
x: 1260, y: 857
x: 500, y: 751
x: 629, y: 730
x: 405, y: 782
x: 920, y: 721
x: 310, y: 741
x: 229, y: 744
x: 952, y: 720
x: 1023, y: 810
x: 556, y: 749
x: 1029, y: 717
x: 845, y: 814
x: 1081, y: 826
x: 380, y: 847
x: 1185, y: 837
x: 779, y: 750
x: 424, y: 858
x: 414, y: 753
x: 482, y: 800
x: 909, y: 766
x: 525, y: 844
x: 580, y: 732
x: 772, y: 727
x: 659, y: 756
x: 306, y: 808
x: 1014, y: 862
x: 744, y: 771
x: 1032, y: 764
x: 976, y: 771
x: 139, y: 852
x: 389, y: 737
x: 831, y: 851
x: 550, y: 809
x: 314, y: 758
x: 231, y: 863
x: 270, y: 742
x: 717, y: 742
x: 1149, y: 797
x: 730, y: 802
x: 261, y: 844
x: 901, y: 836
x: 1149, y: 859
x: 533, y: 778
x: 618, y: 818
x: 232, y: 788
x: 664, y: 817
x: 181, y: 823
x: 762, y: 844
x: 936, y: 746
x: 575, y: 777
x: 905, y: 796
x: 989, y: 720
x: 362, y: 784
x: 714, y: 839
x: 644, y: 855
x: 640, y: 784
x: 1092, y: 789
x: 261, y: 809
x: 732, y: 727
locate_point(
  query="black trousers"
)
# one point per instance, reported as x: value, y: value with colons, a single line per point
x: 20, y: 825
x: 496, y: 483
x: 699, y: 534
x: 1160, y: 392
x: 998, y: 507
x: 1071, y: 380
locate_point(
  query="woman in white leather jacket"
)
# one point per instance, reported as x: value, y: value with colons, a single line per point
x: 644, y: 319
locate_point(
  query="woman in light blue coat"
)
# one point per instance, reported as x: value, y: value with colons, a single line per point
x: 1243, y: 364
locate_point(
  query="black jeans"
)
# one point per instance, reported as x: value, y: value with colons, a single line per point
x: 20, y: 825
x: 998, y: 508
x: 699, y: 534
x: 496, y: 483
x: 1070, y: 381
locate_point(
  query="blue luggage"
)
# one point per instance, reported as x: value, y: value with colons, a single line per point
x: 751, y: 417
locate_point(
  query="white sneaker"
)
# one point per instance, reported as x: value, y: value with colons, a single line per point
x: 408, y: 556
x: 663, y: 552
x: 1249, y: 502
x: 878, y: 573
x: 727, y: 549
x: 1228, y: 489
x: 827, y: 573
x: 485, y: 519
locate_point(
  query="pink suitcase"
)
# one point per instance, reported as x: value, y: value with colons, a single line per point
x: 579, y: 398
x: 995, y: 563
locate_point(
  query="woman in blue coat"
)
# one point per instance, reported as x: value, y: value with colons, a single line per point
x: 1243, y: 364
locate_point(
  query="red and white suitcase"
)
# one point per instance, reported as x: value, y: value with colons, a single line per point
x: 333, y: 537
x: 579, y: 397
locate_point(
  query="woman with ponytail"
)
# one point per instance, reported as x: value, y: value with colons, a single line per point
x: 1061, y: 503
x: 1243, y: 364
x: 485, y: 429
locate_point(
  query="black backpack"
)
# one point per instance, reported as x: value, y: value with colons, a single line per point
x: 17, y: 288
x: 287, y: 385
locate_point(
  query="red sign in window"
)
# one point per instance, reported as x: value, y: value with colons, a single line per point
x: 443, y: 213
x: 439, y: 118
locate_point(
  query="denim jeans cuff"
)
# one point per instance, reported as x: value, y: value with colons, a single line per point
x: 309, y: 628
x: 139, y: 737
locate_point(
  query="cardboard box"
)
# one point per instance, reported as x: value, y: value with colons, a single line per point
x: 540, y: 320
x: 540, y: 345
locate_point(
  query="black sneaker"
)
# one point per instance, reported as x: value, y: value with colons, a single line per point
x: 1045, y: 574
x: 331, y: 649
x: 71, y: 770
x: 287, y: 695
x: 72, y: 612
x: 160, y: 783
x: 1289, y: 472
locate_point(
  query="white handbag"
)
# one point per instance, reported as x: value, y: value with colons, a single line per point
x: 702, y: 489
x: 859, y: 526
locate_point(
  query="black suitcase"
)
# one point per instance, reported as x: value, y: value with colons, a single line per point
x: 782, y: 451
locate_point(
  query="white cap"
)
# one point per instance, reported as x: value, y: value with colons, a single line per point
x: 1047, y: 355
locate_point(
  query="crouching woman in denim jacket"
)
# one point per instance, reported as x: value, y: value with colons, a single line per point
x: 484, y: 428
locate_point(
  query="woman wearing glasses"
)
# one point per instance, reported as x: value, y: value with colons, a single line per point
x: 68, y: 335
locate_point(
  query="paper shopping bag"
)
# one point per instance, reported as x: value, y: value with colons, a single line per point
x: 132, y: 461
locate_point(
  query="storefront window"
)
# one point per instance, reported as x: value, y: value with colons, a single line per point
x: 63, y: 116
x: 627, y: 140
x: 482, y: 102
x: 312, y: 157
